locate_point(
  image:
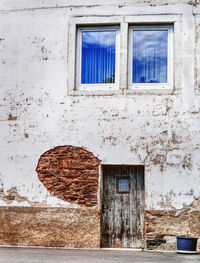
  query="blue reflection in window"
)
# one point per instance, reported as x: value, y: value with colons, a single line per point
x: 150, y: 56
x: 123, y: 185
x: 98, y: 57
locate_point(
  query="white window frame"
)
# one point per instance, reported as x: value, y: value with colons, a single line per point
x: 170, y: 59
x: 125, y: 22
x: 98, y: 86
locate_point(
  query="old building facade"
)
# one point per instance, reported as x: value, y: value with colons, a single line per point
x: 100, y: 123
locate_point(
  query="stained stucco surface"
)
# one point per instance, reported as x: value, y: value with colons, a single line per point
x: 37, y: 114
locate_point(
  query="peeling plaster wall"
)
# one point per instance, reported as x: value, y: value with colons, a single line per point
x: 37, y: 114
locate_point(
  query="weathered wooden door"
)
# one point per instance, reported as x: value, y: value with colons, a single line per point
x: 123, y: 206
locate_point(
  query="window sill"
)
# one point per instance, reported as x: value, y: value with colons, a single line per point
x: 98, y: 87
x: 94, y: 92
x: 145, y: 90
x: 133, y: 91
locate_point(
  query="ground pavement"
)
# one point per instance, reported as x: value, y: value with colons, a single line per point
x: 50, y: 255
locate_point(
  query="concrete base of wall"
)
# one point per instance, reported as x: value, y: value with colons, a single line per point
x: 49, y: 227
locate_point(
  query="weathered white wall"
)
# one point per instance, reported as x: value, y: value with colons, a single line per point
x: 36, y: 114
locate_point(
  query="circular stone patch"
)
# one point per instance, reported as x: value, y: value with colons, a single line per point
x: 70, y: 173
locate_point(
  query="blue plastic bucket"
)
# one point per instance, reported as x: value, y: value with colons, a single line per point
x: 188, y: 244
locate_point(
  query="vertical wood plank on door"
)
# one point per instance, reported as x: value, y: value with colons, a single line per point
x: 140, y: 205
x: 125, y: 206
x: 133, y: 208
x: 118, y: 211
x: 108, y: 207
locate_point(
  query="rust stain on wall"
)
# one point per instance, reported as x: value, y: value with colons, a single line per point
x: 110, y: 139
x: 12, y: 118
x: 26, y: 135
x: 194, y: 3
x: 12, y: 195
x: 174, y: 138
x: 71, y: 174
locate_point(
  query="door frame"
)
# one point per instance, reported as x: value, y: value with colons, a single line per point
x: 100, y: 203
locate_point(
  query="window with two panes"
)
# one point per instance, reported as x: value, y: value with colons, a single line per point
x: 149, y: 56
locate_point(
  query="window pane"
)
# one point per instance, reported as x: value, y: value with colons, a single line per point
x: 98, y: 57
x: 123, y: 185
x: 150, y: 56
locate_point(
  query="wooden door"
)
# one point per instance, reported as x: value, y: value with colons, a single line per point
x: 123, y: 206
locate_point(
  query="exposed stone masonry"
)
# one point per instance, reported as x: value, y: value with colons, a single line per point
x: 70, y: 173
x: 49, y: 227
x: 163, y: 226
